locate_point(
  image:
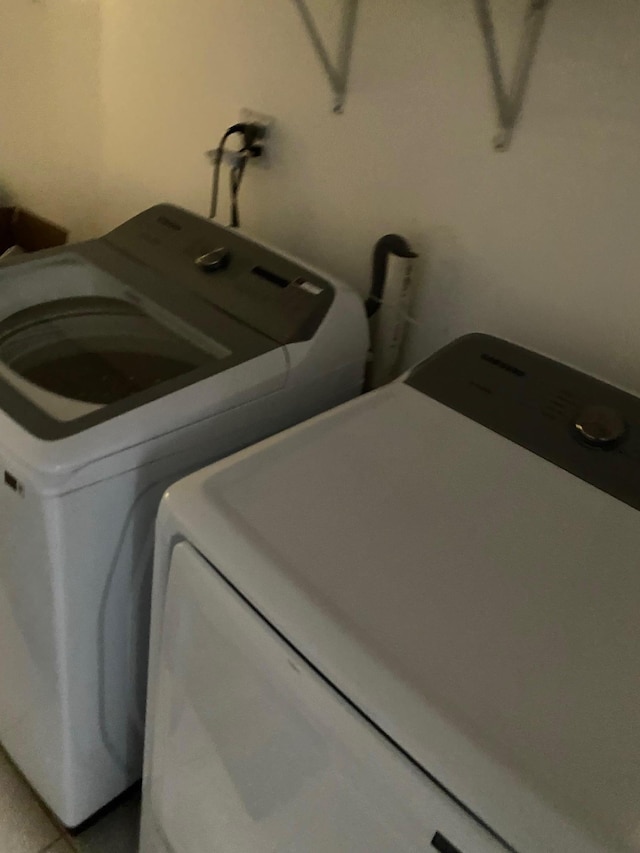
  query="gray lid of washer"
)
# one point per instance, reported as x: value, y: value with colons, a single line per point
x: 94, y: 350
x: 86, y: 335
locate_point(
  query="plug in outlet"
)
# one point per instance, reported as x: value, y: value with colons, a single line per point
x: 266, y: 123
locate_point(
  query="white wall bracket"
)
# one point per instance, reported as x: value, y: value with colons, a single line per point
x: 509, y: 101
x: 337, y: 73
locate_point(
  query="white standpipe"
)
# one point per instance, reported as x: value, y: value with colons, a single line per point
x: 389, y: 307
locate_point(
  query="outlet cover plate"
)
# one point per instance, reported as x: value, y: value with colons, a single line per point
x: 253, y: 116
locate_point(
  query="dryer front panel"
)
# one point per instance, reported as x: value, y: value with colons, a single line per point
x: 253, y: 750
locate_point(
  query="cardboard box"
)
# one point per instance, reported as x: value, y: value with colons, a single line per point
x: 22, y: 228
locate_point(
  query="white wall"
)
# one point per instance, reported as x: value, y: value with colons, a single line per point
x: 540, y: 244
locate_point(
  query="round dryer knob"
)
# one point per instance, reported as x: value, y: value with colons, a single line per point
x: 600, y: 426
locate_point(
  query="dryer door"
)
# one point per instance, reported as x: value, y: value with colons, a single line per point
x: 253, y: 750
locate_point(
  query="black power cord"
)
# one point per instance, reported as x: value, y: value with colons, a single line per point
x: 251, y: 133
x: 235, y: 179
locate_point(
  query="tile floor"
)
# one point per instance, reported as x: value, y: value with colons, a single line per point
x: 26, y: 826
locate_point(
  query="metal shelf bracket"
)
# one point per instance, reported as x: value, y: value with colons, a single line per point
x: 337, y: 73
x: 510, y: 100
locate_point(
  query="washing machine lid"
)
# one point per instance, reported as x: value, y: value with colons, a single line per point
x: 92, y: 331
x: 478, y: 602
x: 79, y: 346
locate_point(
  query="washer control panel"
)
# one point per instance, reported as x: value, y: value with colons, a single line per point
x: 579, y: 423
x: 259, y: 287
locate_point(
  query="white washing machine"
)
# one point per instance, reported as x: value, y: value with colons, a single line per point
x: 125, y: 363
x: 409, y: 624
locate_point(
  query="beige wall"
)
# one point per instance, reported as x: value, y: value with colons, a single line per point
x: 50, y: 108
x: 539, y: 244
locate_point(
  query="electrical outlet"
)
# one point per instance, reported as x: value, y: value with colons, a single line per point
x: 230, y: 156
x: 254, y: 117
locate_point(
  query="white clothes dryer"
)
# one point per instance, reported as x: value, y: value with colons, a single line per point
x: 125, y: 363
x: 408, y: 624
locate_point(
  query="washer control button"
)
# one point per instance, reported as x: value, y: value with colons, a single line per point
x: 216, y: 259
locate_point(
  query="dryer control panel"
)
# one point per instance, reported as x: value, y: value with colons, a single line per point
x: 573, y: 420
